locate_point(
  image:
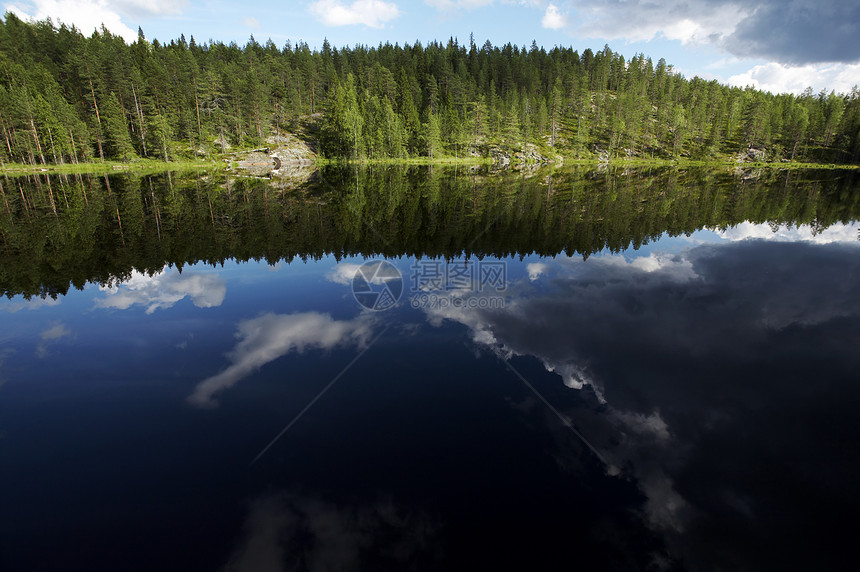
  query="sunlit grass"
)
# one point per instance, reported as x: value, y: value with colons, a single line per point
x: 107, y: 167
x: 156, y: 166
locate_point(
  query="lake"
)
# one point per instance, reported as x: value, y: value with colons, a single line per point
x: 430, y: 369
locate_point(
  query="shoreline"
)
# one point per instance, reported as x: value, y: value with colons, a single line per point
x: 152, y: 166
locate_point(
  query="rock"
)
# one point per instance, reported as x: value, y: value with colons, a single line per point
x: 756, y: 154
x: 530, y: 156
x: 286, y: 151
x: 221, y: 143
x: 256, y: 163
x: 748, y: 174
x: 751, y: 154
x: 292, y: 175
x: 289, y: 148
x: 601, y: 154
x: 527, y: 156
x: 501, y: 159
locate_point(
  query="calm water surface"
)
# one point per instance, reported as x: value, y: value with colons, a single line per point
x: 430, y: 370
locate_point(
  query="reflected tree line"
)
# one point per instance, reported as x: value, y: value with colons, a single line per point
x: 67, y: 231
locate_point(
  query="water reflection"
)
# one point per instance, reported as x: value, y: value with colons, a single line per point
x: 49, y: 336
x: 99, y: 233
x: 266, y: 338
x: 714, y: 361
x: 713, y: 372
x: 849, y: 233
x: 287, y: 531
x: 162, y: 290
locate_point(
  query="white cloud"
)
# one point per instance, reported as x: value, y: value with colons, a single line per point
x: 457, y: 306
x: 647, y: 425
x: 376, y: 273
x: 89, y: 15
x: 779, y: 78
x: 676, y: 268
x: 31, y: 304
x: 270, y: 336
x: 773, y: 30
x: 343, y: 273
x: 55, y: 332
x: 536, y: 270
x: 573, y: 375
x: 845, y: 233
x: 689, y: 21
x: 553, y: 18
x: 370, y: 13
x: 251, y: 22
x: 672, y: 266
x: 163, y: 290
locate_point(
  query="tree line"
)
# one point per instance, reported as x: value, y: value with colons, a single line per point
x: 68, y: 98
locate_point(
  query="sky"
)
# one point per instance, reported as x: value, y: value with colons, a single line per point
x: 775, y: 45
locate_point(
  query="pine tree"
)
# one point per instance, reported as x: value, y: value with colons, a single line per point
x: 117, y: 140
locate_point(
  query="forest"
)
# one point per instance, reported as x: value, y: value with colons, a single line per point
x: 70, y: 98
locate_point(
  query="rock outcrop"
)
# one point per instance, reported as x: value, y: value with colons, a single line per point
x: 527, y: 157
x: 286, y: 155
x: 752, y: 155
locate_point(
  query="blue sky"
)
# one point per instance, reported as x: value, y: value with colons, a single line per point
x: 777, y: 45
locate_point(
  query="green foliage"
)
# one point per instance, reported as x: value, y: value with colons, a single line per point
x: 117, y: 140
x: 66, y: 98
x: 343, y: 131
x: 158, y: 133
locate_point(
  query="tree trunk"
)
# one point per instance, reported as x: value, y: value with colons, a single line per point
x: 139, y: 112
x: 36, y: 139
x: 98, y: 118
x: 197, y: 108
x: 74, y: 149
x: 53, y: 150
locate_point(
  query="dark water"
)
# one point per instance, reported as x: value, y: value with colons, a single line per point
x: 624, y: 370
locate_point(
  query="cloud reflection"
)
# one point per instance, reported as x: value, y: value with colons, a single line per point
x: 163, y: 290
x: 18, y: 303
x: 50, y: 335
x: 721, y: 377
x: 270, y: 336
x: 343, y: 273
x: 285, y: 531
x: 846, y: 233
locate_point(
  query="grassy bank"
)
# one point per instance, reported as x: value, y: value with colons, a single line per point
x: 725, y: 163
x: 108, y: 167
x: 153, y: 166
x: 409, y: 161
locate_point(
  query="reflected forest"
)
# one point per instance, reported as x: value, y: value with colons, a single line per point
x: 67, y: 231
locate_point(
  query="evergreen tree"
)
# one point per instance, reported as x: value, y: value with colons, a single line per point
x: 117, y: 140
x: 67, y: 97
